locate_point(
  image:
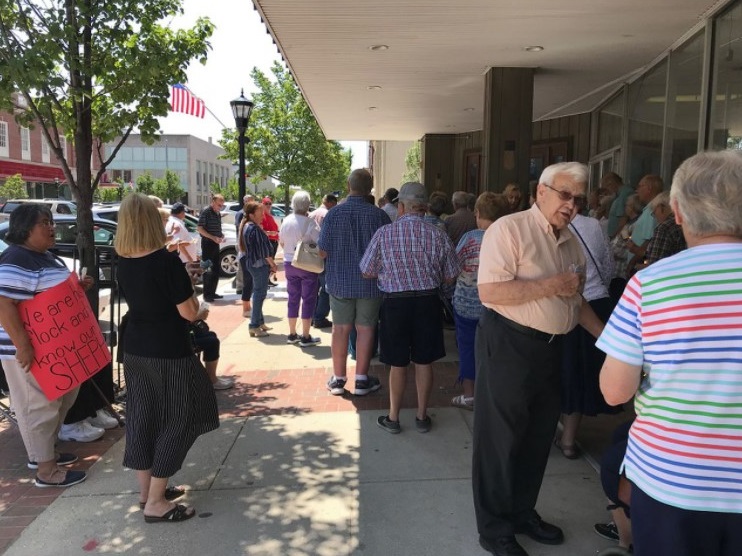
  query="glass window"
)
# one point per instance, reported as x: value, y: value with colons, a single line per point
x: 726, y: 89
x: 684, y: 107
x: 63, y: 146
x: 4, y: 150
x: 25, y: 143
x: 45, y: 150
x: 646, y: 119
x: 610, y: 123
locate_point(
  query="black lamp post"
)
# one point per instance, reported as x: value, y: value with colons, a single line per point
x: 241, y: 108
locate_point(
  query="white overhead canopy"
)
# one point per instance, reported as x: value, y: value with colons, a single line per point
x: 431, y: 76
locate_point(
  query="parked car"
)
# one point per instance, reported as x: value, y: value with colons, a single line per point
x: 232, y: 207
x: 57, y: 206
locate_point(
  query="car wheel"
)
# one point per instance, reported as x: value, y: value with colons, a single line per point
x: 228, y: 263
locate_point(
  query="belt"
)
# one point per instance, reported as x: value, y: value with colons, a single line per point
x: 526, y: 330
x: 411, y: 293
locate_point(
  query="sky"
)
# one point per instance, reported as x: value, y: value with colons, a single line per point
x: 239, y: 43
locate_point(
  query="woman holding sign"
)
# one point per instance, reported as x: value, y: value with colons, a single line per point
x: 170, y: 400
x: 26, y: 269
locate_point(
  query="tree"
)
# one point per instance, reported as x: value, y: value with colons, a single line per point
x: 92, y: 71
x: 14, y: 188
x: 168, y: 188
x: 230, y: 191
x: 146, y: 184
x: 286, y: 143
x: 413, y: 163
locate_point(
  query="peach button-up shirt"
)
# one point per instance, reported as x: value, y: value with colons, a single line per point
x: 523, y: 246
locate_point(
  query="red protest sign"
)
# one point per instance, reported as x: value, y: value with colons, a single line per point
x: 68, y: 345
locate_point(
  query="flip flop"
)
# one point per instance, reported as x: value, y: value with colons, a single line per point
x: 178, y: 513
x: 171, y: 493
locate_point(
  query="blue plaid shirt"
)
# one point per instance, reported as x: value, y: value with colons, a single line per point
x: 346, y: 231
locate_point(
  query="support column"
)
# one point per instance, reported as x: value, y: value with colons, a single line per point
x: 508, y: 123
x: 437, y: 151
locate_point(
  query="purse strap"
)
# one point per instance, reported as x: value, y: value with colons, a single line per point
x: 572, y: 227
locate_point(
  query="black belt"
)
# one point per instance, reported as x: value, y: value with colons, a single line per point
x: 411, y: 293
x: 527, y: 330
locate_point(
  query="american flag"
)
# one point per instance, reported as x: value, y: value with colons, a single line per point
x: 182, y: 100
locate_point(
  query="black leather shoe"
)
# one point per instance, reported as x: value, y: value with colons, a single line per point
x: 540, y: 531
x: 503, y: 546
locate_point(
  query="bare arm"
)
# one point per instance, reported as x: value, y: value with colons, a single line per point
x: 202, y: 231
x: 189, y: 309
x: 619, y: 381
x: 518, y: 291
x: 12, y: 324
x: 589, y: 320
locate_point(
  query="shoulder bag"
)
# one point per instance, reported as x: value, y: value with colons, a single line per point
x: 306, y: 254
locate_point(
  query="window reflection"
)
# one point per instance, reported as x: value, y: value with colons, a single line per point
x: 726, y: 106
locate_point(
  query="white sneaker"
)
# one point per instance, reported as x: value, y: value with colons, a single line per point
x: 82, y: 431
x: 103, y: 420
x: 223, y: 383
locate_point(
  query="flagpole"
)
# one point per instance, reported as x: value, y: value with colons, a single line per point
x: 205, y: 106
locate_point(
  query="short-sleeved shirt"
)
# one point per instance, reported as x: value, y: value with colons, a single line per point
x: 460, y: 222
x: 23, y: 274
x: 667, y: 240
x: 466, y: 301
x: 643, y: 230
x: 154, y: 285
x: 599, y: 264
x: 176, y: 227
x: 678, y: 320
x: 257, y: 244
x: 294, y: 228
x: 211, y: 221
x: 346, y: 232
x: 524, y: 246
x: 269, y: 224
x: 618, y: 208
x: 410, y: 255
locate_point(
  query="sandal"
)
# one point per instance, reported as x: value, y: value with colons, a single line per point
x: 171, y: 493
x: 178, y: 513
x: 569, y: 451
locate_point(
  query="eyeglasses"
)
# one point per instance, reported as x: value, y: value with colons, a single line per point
x: 566, y: 196
x: 46, y: 223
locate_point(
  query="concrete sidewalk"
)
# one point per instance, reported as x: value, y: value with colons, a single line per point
x: 295, y: 471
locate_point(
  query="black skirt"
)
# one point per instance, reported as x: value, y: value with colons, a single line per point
x: 169, y: 403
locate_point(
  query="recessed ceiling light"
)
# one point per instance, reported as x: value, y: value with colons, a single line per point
x: 469, y: 109
x: 378, y: 47
x: 374, y: 87
x: 534, y: 48
x: 372, y: 108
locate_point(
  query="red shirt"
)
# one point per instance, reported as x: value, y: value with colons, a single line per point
x: 269, y: 225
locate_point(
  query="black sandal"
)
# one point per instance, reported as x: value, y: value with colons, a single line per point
x: 171, y: 493
x: 178, y: 513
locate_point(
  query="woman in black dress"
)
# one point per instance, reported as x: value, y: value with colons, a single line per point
x: 170, y: 401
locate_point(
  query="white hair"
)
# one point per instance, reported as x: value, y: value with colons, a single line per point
x: 707, y: 189
x: 300, y: 201
x: 575, y: 170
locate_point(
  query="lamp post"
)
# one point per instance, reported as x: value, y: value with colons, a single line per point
x: 241, y: 109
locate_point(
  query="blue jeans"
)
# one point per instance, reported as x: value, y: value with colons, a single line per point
x: 322, y: 309
x: 259, y: 292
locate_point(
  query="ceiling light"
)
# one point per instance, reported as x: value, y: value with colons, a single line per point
x: 374, y: 87
x: 372, y: 108
x: 469, y: 109
x: 378, y: 47
x: 534, y: 48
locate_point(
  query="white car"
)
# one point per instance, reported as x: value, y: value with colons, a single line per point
x: 231, y: 208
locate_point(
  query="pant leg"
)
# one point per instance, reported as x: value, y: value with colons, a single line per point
x: 309, y: 284
x: 38, y: 418
x: 293, y: 289
x: 210, y: 251
x: 322, y: 309
x: 512, y: 434
x: 260, y: 291
x: 246, y: 280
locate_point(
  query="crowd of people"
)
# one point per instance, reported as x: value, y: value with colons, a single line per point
x: 651, y: 275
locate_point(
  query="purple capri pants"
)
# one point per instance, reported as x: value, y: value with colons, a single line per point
x: 302, y: 287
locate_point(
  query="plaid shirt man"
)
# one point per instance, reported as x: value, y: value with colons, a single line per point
x: 667, y: 240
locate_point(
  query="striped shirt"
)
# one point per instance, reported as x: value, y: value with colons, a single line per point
x: 257, y: 244
x: 23, y: 274
x: 410, y: 255
x: 681, y: 321
x: 466, y: 301
x: 211, y: 221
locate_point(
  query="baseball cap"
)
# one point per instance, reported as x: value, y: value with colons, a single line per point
x: 177, y: 208
x: 267, y: 201
x: 412, y: 191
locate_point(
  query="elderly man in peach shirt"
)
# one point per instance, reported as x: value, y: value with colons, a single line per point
x: 531, y: 273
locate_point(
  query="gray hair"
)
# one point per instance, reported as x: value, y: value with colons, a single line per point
x: 414, y: 206
x: 707, y: 189
x: 300, y: 202
x: 660, y: 200
x: 575, y: 170
x: 460, y: 199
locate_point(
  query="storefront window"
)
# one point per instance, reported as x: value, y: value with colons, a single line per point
x: 610, y: 121
x: 726, y: 106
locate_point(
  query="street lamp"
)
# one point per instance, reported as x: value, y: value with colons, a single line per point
x: 241, y: 108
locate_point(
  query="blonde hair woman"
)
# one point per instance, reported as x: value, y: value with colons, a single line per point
x: 170, y: 400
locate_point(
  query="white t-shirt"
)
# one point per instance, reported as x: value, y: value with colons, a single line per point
x: 177, y: 229
x: 292, y: 231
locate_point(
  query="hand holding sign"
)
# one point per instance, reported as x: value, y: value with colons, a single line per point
x: 67, y: 345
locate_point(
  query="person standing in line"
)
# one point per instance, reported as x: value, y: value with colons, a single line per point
x: 270, y: 227
x: 210, y: 229
x: 239, y: 280
x: 345, y: 234
x: 673, y: 343
x: 322, y: 309
x: 649, y: 187
x: 390, y: 206
x: 170, y: 400
x: 181, y: 237
x: 258, y: 261
x: 613, y: 184
x: 462, y: 220
x: 411, y: 259
x: 530, y: 282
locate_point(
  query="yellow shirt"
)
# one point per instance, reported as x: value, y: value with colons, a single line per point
x: 523, y: 246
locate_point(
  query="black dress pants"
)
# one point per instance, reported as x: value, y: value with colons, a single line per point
x: 516, y: 409
x: 210, y: 251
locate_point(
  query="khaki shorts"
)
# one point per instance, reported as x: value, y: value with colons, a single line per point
x: 361, y: 311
